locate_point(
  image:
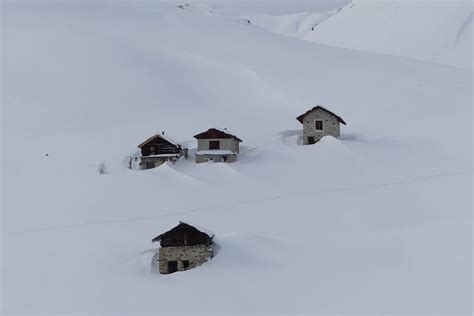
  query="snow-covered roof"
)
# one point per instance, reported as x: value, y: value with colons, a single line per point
x: 164, y: 137
x: 204, y: 230
x: 214, y: 152
x: 300, y: 118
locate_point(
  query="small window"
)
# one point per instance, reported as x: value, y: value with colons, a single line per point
x: 318, y: 125
x: 152, y: 148
x: 186, y: 264
x: 214, y: 144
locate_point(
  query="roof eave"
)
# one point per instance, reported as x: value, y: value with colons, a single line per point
x: 302, y: 116
x: 231, y: 136
x: 147, y: 141
x: 157, y: 136
x: 156, y: 239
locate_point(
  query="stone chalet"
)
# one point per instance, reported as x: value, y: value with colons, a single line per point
x: 319, y: 122
x: 183, y: 247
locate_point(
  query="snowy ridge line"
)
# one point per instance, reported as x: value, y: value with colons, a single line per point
x: 464, y: 26
x: 283, y: 196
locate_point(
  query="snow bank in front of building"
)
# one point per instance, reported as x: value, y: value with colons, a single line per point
x: 167, y: 174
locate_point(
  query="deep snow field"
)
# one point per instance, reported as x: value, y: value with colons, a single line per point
x: 431, y: 30
x: 434, y: 30
x: 376, y: 222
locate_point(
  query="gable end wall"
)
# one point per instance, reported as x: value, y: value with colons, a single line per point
x: 225, y: 143
x: 331, y: 125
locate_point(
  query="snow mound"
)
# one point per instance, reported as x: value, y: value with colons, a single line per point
x: 217, y: 169
x: 244, y: 250
x: 330, y: 150
x: 167, y: 172
x: 330, y: 143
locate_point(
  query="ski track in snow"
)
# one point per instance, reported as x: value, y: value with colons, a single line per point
x: 213, y: 207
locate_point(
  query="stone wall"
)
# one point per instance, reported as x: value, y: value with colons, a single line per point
x: 331, y: 125
x: 196, y: 255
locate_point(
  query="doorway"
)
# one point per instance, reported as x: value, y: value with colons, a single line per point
x: 185, y: 264
x: 311, y: 140
x: 172, y: 266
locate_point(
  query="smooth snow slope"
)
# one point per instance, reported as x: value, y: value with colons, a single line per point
x: 376, y: 222
x: 433, y: 30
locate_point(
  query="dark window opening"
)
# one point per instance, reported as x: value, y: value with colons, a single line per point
x: 214, y: 144
x: 186, y: 264
x: 172, y: 266
x: 318, y: 125
x: 310, y: 140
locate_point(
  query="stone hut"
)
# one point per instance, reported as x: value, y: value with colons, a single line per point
x: 319, y: 122
x: 183, y: 247
x: 217, y: 145
x: 158, y: 149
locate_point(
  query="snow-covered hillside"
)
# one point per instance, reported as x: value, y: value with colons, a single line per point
x: 378, y: 221
x: 436, y: 31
